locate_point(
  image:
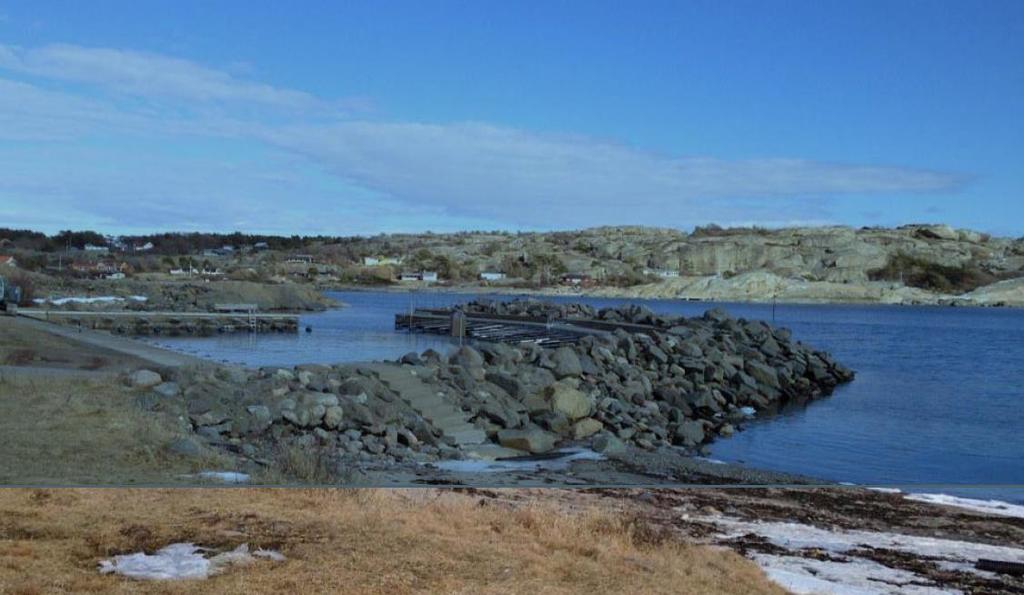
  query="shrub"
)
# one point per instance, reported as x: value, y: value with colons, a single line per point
x: 924, y: 274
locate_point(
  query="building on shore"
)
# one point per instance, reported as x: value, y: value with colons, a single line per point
x: 662, y: 273
x: 100, y: 268
x: 424, y: 276
x: 581, y: 280
x: 8, y: 261
x: 492, y: 276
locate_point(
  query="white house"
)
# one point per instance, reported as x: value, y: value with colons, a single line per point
x: 92, y: 248
x: 425, y: 276
x: 663, y: 273
x: 491, y: 276
x: 144, y: 247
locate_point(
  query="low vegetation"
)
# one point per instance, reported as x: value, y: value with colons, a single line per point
x: 918, y: 272
x: 353, y: 541
x: 85, y: 431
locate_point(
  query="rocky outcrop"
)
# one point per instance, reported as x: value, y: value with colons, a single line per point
x: 805, y: 264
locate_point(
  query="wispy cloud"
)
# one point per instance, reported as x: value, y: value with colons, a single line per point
x: 531, y: 178
x: 458, y: 172
x: 145, y: 75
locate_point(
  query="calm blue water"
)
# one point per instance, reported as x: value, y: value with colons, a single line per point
x: 938, y: 398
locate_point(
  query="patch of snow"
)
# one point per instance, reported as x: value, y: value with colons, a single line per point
x: 795, y: 536
x: 504, y: 466
x: 710, y: 460
x: 223, y: 476
x: 180, y: 561
x: 996, y: 507
x: 174, y: 562
x: 102, y: 299
x: 855, y: 577
x: 801, y: 575
x: 272, y: 555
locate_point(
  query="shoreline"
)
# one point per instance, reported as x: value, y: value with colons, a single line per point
x: 800, y: 531
x: 610, y: 293
x: 640, y: 464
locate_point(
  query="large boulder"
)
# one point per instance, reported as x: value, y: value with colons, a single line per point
x: 566, y: 363
x: 261, y: 418
x: 608, y: 444
x: 937, y: 232
x: 469, y: 360
x: 564, y: 397
x: 184, y: 447
x: 333, y: 416
x: 763, y: 374
x: 690, y: 433
x: 532, y: 439
x: 167, y: 389
x: 144, y: 379
x: 586, y: 427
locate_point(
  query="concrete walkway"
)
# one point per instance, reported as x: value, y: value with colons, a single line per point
x: 442, y: 414
x: 149, y: 353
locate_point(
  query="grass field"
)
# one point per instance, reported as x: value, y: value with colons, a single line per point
x: 352, y: 541
x: 78, y: 431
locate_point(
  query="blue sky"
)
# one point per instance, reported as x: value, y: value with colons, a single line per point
x: 407, y: 116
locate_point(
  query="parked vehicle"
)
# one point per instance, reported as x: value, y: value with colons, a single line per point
x: 10, y: 295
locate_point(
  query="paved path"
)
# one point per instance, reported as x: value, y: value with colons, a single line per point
x: 442, y: 414
x: 42, y: 314
x: 50, y: 372
x: 149, y: 353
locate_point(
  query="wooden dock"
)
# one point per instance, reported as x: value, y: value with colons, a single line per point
x: 494, y: 328
x: 143, y: 322
x: 510, y: 328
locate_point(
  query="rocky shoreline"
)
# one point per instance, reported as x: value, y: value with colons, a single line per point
x: 756, y: 287
x: 673, y: 389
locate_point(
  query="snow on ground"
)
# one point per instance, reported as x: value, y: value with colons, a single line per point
x: 499, y: 466
x: 220, y: 476
x: 996, y: 507
x: 182, y: 561
x: 856, y: 577
x: 850, y: 574
x: 101, y: 299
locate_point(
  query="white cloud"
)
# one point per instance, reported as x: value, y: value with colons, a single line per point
x: 468, y: 171
x: 536, y: 179
x: 146, y: 75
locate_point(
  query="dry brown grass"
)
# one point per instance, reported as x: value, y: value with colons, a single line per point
x: 352, y: 541
x: 61, y: 431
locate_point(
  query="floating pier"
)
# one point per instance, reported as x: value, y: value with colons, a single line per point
x: 503, y: 329
x: 498, y: 328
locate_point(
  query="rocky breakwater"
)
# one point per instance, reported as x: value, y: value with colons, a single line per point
x: 653, y: 381
x: 667, y: 381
